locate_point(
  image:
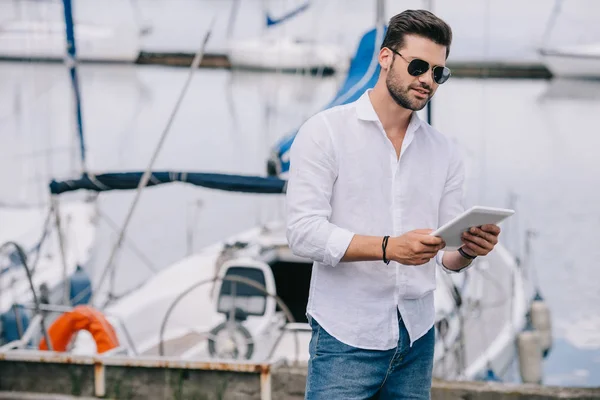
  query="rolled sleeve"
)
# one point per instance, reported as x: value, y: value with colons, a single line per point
x: 312, y: 174
x: 338, y: 243
x: 440, y: 256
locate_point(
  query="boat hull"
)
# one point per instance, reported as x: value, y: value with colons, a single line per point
x: 575, y: 62
x: 40, y: 40
x: 286, y: 55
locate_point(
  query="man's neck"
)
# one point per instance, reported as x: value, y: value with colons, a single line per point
x: 394, y: 118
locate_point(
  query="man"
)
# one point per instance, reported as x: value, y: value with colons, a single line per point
x: 368, y: 182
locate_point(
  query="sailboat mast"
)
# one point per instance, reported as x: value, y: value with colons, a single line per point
x: 71, y: 62
x: 235, y: 5
x: 380, y: 19
x: 551, y: 21
x: 429, y: 6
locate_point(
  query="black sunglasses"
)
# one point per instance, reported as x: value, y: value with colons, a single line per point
x: 418, y: 67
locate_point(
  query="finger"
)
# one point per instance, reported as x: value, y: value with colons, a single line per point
x: 430, y: 248
x: 429, y: 240
x: 475, y: 248
x: 490, y: 228
x: 434, y: 249
x: 423, y: 231
x: 481, y: 242
x: 487, y: 236
x: 428, y: 254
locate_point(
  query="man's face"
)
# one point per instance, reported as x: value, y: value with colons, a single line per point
x: 413, y: 92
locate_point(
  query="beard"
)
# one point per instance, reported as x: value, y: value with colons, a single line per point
x: 403, y: 97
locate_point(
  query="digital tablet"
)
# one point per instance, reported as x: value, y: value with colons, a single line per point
x: 452, y: 231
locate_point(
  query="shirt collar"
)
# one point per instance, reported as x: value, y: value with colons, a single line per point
x: 366, y: 112
x: 364, y: 107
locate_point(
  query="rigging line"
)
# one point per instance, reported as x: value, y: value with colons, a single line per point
x: 483, y: 338
x: 136, y: 250
x: 42, y: 240
x: 31, y: 101
x: 458, y: 305
x: 484, y: 112
x: 508, y: 300
x: 138, y: 18
x: 551, y: 22
x: 36, y: 301
x: 232, y: 17
x: 118, y: 296
x: 63, y: 255
x: 132, y: 122
x: 503, y: 300
x: 147, y: 174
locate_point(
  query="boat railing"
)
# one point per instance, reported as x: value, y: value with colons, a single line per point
x: 290, y: 326
x: 36, y: 322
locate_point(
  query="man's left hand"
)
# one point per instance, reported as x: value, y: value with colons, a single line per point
x: 479, y: 241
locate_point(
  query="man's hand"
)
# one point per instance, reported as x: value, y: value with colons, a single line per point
x: 414, y: 248
x: 480, y: 241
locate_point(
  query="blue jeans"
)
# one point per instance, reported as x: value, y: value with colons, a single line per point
x: 337, y: 371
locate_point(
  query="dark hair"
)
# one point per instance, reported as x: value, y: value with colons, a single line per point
x: 417, y: 22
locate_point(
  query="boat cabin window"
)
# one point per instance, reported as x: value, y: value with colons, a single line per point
x: 246, y: 298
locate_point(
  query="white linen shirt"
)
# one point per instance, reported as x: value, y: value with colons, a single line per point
x: 346, y: 179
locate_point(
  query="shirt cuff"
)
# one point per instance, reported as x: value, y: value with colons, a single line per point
x: 337, y: 244
x: 440, y: 256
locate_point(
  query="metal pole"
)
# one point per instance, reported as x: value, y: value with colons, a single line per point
x: 380, y: 18
x: 265, y: 384
x: 71, y: 62
x: 429, y: 7
x: 429, y: 117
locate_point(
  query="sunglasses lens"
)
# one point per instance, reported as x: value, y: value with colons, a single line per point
x: 441, y: 74
x: 417, y: 67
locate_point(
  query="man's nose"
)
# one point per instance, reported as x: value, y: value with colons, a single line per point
x: 426, y: 79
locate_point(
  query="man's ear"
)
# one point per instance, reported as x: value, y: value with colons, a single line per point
x: 385, y: 58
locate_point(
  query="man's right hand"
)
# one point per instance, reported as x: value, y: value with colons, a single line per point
x: 414, y: 248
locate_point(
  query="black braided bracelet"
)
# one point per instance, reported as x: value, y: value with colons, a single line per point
x: 384, y: 246
x: 465, y: 255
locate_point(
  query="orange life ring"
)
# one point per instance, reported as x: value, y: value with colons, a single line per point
x: 82, y: 317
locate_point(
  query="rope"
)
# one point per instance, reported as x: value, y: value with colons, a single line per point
x: 23, y: 257
x: 42, y: 240
x: 476, y: 313
x: 37, y: 247
x: 457, y: 308
x: 551, y: 22
x: 136, y: 250
x: 147, y: 174
x: 61, y: 242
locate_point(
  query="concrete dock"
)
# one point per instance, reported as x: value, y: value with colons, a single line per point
x: 34, y: 375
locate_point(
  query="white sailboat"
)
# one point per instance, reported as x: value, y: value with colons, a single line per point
x: 53, y: 240
x: 274, y: 51
x: 192, y: 311
x: 570, y: 61
x: 44, y: 39
x: 577, y: 61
